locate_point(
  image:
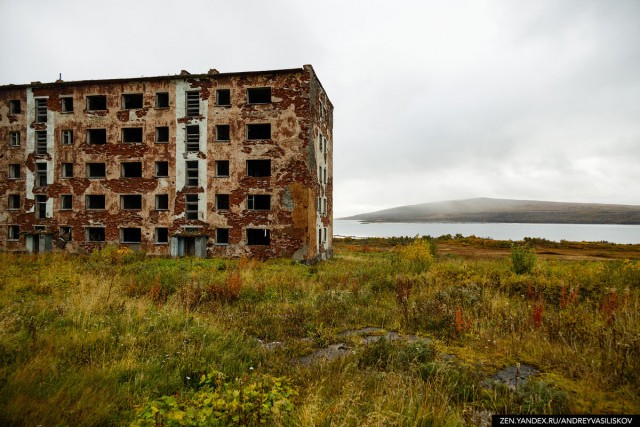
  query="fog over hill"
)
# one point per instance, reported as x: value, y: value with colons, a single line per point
x: 504, y: 210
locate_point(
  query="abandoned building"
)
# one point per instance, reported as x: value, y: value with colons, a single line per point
x: 216, y: 164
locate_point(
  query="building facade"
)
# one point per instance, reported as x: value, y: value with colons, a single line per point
x: 216, y: 164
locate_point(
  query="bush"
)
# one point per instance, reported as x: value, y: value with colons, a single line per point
x: 523, y: 259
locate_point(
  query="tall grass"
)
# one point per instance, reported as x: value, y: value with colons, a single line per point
x: 91, y: 340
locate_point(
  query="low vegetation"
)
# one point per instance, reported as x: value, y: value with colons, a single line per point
x: 118, y: 338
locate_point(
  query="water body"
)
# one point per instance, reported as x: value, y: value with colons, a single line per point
x: 613, y: 233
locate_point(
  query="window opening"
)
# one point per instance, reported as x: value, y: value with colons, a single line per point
x: 14, y: 202
x: 14, y: 171
x: 67, y: 170
x: 162, y: 169
x: 222, y: 202
x: 258, y: 236
x: 94, y: 234
x: 41, y: 206
x: 131, y: 135
x: 96, y: 170
x: 193, y: 103
x: 259, y: 95
x: 191, y: 206
x: 67, y: 137
x: 96, y: 102
x: 131, y: 170
x: 192, y: 173
x: 96, y: 136
x: 132, y: 101
x: 162, y: 100
x: 41, y: 110
x: 222, y: 168
x: 130, y: 235
x: 13, y: 232
x: 259, y: 202
x: 259, y: 131
x: 162, y: 235
x: 14, y: 106
x: 162, y: 202
x: 222, y: 236
x: 14, y: 139
x: 95, y: 201
x: 259, y: 168
x: 193, y: 138
x: 162, y: 134
x: 65, y: 233
x: 41, y: 142
x: 131, y: 201
x: 66, y: 104
x: 223, y: 97
x: 41, y: 175
x: 66, y: 201
x: 223, y: 133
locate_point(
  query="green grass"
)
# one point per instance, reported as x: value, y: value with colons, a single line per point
x: 94, y: 340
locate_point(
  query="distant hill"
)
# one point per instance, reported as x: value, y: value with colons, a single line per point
x: 504, y: 210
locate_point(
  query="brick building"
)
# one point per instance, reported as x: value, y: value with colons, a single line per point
x: 216, y: 164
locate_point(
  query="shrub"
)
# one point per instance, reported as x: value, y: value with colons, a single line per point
x: 523, y: 259
x: 253, y: 400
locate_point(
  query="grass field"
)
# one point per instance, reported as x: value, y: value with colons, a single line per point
x: 115, y: 338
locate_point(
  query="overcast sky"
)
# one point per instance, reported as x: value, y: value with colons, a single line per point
x: 434, y: 100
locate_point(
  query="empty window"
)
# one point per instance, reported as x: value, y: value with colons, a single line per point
x: 162, y: 100
x: 41, y: 206
x: 222, y: 167
x: 162, y: 169
x: 162, y: 202
x: 131, y: 135
x: 14, y: 139
x: 14, y: 202
x: 131, y: 201
x: 222, y: 202
x: 67, y: 137
x: 65, y: 233
x: 222, y: 236
x: 259, y: 167
x: 96, y: 136
x: 193, y: 138
x: 223, y: 97
x: 258, y: 236
x: 259, y: 202
x: 96, y: 102
x: 94, y: 234
x: 130, y: 235
x: 66, y: 201
x: 96, y: 170
x: 223, y: 133
x: 95, y: 201
x: 66, y: 104
x: 191, y: 206
x: 13, y: 232
x: 193, y: 103
x: 131, y: 170
x: 131, y: 101
x: 41, y: 175
x: 41, y: 110
x: 162, y: 134
x: 162, y: 235
x: 192, y: 173
x: 14, y: 171
x: 41, y: 142
x: 259, y: 95
x: 67, y: 170
x: 14, y: 106
x: 259, y: 131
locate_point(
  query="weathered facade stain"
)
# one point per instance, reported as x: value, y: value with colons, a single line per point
x: 187, y: 193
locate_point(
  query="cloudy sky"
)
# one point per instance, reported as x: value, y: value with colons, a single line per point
x: 434, y: 100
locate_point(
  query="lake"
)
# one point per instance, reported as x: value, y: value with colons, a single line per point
x: 613, y: 233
